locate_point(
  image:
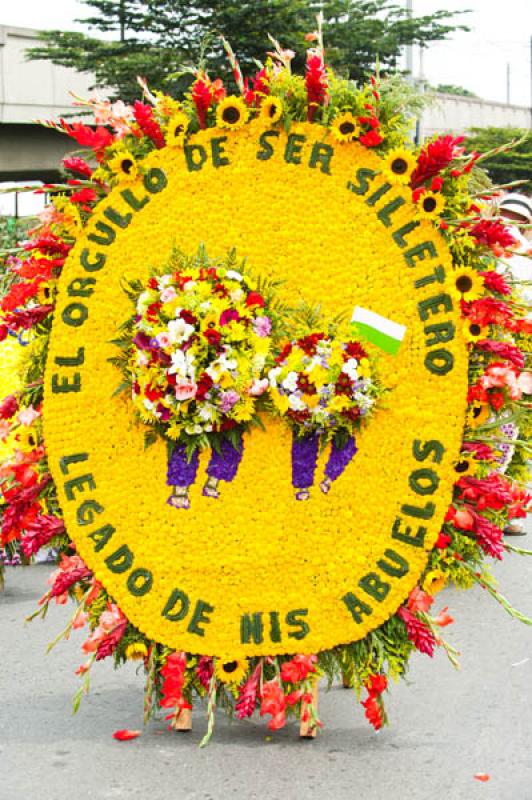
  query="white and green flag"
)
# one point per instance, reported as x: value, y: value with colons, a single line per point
x: 380, y: 331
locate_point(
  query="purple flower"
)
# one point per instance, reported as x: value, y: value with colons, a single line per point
x: 228, y: 400
x: 181, y: 470
x: 262, y: 326
x: 224, y: 464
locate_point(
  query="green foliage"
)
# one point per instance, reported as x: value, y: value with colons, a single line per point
x: 511, y: 165
x: 155, y: 38
x: 451, y: 88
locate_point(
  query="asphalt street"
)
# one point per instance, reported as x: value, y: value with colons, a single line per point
x: 446, y: 726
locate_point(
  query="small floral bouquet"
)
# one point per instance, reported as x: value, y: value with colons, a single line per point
x: 324, y: 387
x: 196, y: 355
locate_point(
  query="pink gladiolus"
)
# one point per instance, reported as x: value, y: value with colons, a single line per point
x: 419, y: 600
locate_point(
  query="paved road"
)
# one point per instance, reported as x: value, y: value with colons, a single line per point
x: 446, y: 726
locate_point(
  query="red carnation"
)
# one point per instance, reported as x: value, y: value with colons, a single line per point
x: 355, y: 350
x: 204, y: 384
x: 8, y: 407
x: 255, y: 299
x: 212, y: 336
x: 84, y: 196
x: 443, y: 541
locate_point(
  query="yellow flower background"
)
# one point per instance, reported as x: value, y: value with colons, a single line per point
x: 257, y: 549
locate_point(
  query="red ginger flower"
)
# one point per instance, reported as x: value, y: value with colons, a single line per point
x: 149, y: 126
x: 434, y: 158
x: 39, y: 532
x: 495, y: 282
x: 27, y: 318
x: 487, y: 311
x: 204, y: 671
x: 273, y: 701
x: 418, y: 633
x: 298, y: 668
x: 492, y: 234
x: 110, y: 642
x: 493, y: 492
x: 78, y: 166
x: 489, y: 536
x: 204, y: 91
x: 479, y: 450
x: 247, y: 695
x: 67, y: 578
x: 503, y: 350
x: 49, y: 244
x: 316, y: 82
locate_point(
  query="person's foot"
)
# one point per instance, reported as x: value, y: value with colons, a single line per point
x: 211, y: 489
x: 303, y: 494
x: 513, y: 529
x: 325, y: 485
x: 179, y: 499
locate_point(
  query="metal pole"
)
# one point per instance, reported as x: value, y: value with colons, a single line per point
x: 122, y: 21
x: 409, y: 47
x: 508, y: 83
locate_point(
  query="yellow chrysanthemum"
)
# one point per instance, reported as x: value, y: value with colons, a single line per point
x: 280, y: 402
x: 434, y: 581
x: 311, y: 400
x: 232, y: 113
x: 339, y: 403
x: 177, y: 130
x: 430, y: 205
x: 124, y: 166
x: 136, y: 651
x: 466, y: 284
x: 232, y: 671
x: 398, y: 165
x: 271, y: 110
x: 345, y: 128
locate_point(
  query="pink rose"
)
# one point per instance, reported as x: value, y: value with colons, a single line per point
x: 28, y: 415
x: 262, y: 326
x: 168, y: 294
x: 258, y: 387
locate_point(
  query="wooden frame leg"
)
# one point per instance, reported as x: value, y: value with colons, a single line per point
x: 306, y: 730
x: 184, y: 721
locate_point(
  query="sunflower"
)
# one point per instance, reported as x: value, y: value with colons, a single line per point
x: 434, y: 581
x: 430, y: 205
x: 232, y: 113
x: 26, y: 438
x: 473, y: 331
x: 124, y: 166
x: 477, y: 415
x: 466, y: 284
x: 45, y: 293
x: 232, y: 671
x: 399, y: 165
x: 345, y: 128
x: 177, y: 129
x: 464, y: 467
x: 271, y: 110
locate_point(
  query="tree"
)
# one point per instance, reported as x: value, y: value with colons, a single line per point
x: 514, y: 164
x: 154, y: 38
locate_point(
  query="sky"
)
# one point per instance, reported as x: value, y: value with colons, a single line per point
x: 500, y: 36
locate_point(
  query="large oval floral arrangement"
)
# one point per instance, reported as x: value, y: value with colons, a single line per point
x: 320, y: 385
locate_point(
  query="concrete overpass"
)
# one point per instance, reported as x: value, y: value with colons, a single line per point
x: 31, y: 90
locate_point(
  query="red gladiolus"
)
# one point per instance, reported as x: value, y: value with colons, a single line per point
x: 39, y: 532
x: 18, y: 295
x: 27, y: 318
x: 273, y: 702
x: 376, y: 684
x: 418, y: 600
x: 4, y: 332
x: 84, y: 196
x: 443, y: 619
x: 247, y: 695
x: 298, y: 668
x: 125, y: 735
x: 173, y: 674
x: 96, y: 138
x: 479, y: 451
x: 77, y: 165
x: 316, y: 82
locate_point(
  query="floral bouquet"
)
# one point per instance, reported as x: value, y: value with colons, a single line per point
x: 196, y: 354
x: 324, y: 387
